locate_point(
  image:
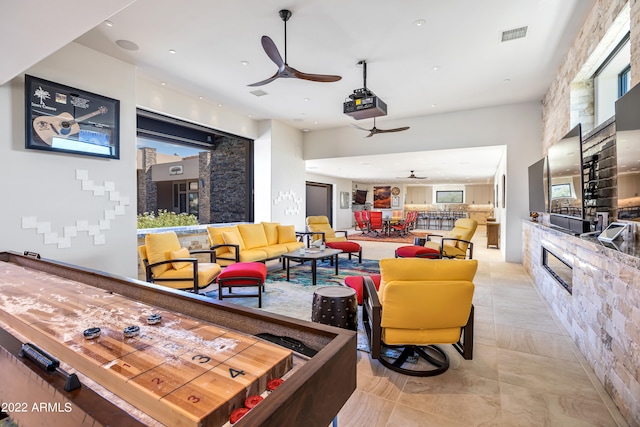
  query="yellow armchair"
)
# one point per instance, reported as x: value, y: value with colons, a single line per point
x: 321, y: 224
x: 457, y: 242
x: 166, y: 263
x: 419, y: 303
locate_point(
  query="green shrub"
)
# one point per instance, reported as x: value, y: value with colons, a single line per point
x: 165, y: 218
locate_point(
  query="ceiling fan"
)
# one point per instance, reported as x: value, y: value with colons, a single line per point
x: 411, y: 176
x: 374, y: 130
x: 284, y: 70
x: 366, y: 92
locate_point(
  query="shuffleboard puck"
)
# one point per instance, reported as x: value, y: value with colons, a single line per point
x: 154, y: 318
x: 131, y: 331
x: 237, y: 414
x: 91, y: 333
x: 251, y: 401
x: 274, y: 383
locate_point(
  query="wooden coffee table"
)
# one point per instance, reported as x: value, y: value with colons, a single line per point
x: 313, y: 255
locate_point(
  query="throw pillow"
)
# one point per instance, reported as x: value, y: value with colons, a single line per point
x: 159, y: 247
x: 231, y: 238
x: 180, y: 253
x: 286, y: 234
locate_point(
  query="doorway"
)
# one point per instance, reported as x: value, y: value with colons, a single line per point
x: 319, y: 200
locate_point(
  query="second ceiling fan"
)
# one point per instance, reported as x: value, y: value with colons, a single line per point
x: 374, y: 130
x: 366, y: 92
x: 284, y: 70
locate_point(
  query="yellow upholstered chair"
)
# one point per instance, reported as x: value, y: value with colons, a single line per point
x: 457, y: 242
x: 419, y: 303
x: 321, y: 224
x: 166, y: 263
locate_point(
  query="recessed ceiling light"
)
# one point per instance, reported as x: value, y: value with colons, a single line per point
x: 506, y: 80
x: 172, y: 51
x: 244, y: 62
x: 305, y: 130
x: 307, y: 99
x: 436, y: 67
x: 434, y: 105
x: 249, y: 115
x: 419, y: 22
x: 316, y: 122
x: 201, y: 97
x: 219, y: 105
x: 163, y: 83
x: 127, y: 45
x: 108, y: 23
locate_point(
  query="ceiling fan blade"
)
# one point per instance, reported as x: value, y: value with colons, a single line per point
x: 323, y: 78
x: 269, y: 80
x: 358, y: 127
x: 393, y: 130
x: 272, y: 52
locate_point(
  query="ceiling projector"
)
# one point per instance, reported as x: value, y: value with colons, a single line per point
x: 364, y: 104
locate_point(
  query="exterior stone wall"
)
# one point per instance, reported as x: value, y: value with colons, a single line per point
x: 602, y: 315
x: 147, y: 190
x: 228, y: 183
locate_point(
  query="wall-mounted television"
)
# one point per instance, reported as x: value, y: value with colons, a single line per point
x: 68, y: 120
x: 628, y: 155
x: 566, y: 182
x: 538, y: 186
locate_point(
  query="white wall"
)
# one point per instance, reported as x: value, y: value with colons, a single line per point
x: 517, y: 126
x: 152, y: 96
x: 342, y: 218
x: 288, y: 190
x: 43, y: 185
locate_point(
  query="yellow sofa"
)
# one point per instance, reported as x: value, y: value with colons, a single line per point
x: 251, y: 242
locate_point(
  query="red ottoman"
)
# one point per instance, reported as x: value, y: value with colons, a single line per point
x: 356, y: 283
x: 242, y: 274
x: 417, y: 252
x: 347, y: 247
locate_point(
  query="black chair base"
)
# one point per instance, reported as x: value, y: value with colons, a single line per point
x: 411, y: 355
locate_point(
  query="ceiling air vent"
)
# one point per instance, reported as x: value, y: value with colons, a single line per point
x: 516, y: 33
x: 259, y: 92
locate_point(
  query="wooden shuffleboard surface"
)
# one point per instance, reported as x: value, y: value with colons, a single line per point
x: 182, y: 371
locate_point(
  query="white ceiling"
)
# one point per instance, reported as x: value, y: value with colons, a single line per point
x: 460, y: 38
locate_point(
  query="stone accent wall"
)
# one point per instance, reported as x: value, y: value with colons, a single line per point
x: 228, y: 181
x: 557, y: 103
x: 602, y: 316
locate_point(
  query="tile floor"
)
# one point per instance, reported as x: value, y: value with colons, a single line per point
x: 526, y: 370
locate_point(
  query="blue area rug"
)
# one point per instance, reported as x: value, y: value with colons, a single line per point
x: 295, y: 298
x: 325, y: 272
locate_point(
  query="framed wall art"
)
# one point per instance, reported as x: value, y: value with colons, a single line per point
x: 63, y: 119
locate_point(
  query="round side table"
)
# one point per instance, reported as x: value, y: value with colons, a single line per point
x: 335, y: 306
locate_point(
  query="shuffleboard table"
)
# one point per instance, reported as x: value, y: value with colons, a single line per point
x: 196, y: 365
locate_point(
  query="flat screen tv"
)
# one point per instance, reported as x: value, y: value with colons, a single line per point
x: 68, y: 120
x: 566, y: 182
x: 628, y: 155
x: 538, y: 186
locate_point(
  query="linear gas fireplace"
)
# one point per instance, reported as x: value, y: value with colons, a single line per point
x: 558, y: 268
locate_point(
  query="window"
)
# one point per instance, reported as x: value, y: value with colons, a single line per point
x: 611, y: 81
x: 449, y: 196
x: 624, y: 81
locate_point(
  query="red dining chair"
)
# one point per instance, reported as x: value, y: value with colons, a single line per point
x: 375, y: 222
x: 361, y: 224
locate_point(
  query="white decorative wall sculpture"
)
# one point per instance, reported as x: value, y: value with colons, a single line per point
x: 289, y: 195
x: 114, y: 202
